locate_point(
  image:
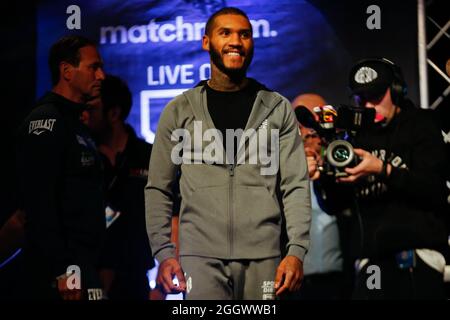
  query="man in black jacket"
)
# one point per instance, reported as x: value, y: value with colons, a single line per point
x: 399, y: 186
x: 60, y: 180
x: 126, y: 256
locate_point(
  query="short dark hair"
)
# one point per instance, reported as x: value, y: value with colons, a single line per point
x: 66, y: 49
x: 223, y: 11
x: 116, y: 93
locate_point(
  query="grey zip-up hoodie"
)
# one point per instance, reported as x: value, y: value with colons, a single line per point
x: 228, y: 211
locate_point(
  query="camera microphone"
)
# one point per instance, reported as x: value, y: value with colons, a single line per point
x: 306, y: 118
x: 354, y: 118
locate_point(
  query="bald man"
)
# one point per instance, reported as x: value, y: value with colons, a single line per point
x: 312, y: 141
x: 309, y: 100
x: 323, y: 263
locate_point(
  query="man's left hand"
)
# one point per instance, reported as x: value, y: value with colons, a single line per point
x: 369, y: 165
x: 289, y: 275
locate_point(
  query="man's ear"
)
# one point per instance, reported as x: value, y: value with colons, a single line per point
x: 205, y: 42
x: 66, y: 70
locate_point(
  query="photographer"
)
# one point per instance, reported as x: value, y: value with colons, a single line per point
x: 399, y: 190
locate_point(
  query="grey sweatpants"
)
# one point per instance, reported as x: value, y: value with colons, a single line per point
x: 216, y: 279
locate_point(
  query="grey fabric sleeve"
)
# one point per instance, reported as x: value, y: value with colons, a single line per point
x: 294, y: 185
x: 159, y: 195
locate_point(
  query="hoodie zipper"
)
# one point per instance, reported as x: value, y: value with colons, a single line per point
x: 230, y: 208
x: 231, y: 169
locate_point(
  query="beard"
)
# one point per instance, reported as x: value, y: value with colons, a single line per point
x: 233, y: 73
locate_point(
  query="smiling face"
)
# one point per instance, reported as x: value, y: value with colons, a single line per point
x: 230, y: 44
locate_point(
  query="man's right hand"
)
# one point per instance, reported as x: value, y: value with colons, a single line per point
x: 65, y: 292
x: 167, y: 270
x: 314, y: 161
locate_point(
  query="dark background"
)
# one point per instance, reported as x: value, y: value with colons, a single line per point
x: 399, y: 25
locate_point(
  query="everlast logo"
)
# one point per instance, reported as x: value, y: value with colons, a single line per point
x: 39, y: 126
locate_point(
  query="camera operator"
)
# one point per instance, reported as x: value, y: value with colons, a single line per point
x: 399, y: 189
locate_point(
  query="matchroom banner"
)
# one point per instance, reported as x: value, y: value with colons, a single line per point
x: 156, y: 47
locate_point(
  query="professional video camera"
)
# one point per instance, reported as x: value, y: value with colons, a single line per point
x: 338, y: 127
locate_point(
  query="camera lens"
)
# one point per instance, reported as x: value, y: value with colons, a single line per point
x: 340, y: 153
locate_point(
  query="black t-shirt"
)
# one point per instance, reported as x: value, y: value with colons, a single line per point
x: 231, y: 110
x: 127, y: 247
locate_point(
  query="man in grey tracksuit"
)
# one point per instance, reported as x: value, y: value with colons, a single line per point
x: 235, y: 196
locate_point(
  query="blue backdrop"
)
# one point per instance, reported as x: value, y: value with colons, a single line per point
x: 156, y: 47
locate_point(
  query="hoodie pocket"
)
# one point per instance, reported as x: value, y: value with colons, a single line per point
x: 255, y: 207
x: 204, y: 222
x: 257, y: 220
